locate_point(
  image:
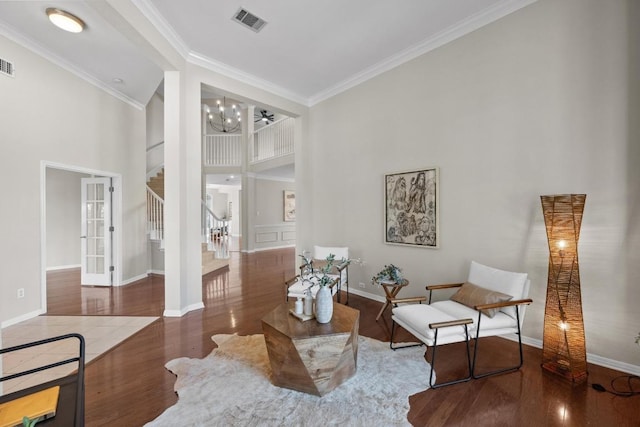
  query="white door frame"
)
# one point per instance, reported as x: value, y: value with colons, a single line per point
x: 117, y: 221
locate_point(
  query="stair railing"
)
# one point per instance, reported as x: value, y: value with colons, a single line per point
x: 213, y: 227
x: 155, y: 215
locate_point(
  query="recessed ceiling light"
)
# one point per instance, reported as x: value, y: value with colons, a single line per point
x: 65, y: 20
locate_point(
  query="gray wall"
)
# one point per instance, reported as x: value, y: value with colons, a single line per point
x: 48, y: 114
x: 63, y: 218
x: 543, y: 101
x: 155, y: 133
x: 270, y: 228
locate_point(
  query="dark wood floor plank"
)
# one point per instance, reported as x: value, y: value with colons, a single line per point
x: 129, y: 386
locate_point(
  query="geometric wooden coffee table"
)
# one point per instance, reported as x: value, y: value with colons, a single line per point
x: 309, y: 356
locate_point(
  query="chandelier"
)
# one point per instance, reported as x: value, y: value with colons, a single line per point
x: 224, y: 118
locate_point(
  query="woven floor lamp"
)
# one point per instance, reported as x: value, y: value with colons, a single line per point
x: 564, y: 351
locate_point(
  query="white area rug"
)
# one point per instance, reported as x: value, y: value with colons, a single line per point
x: 231, y: 387
x: 101, y: 333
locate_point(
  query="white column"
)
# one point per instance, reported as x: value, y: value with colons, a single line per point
x: 247, y: 197
x: 183, y: 258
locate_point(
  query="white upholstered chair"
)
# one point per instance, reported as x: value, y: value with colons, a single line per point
x: 340, y: 268
x: 492, y: 302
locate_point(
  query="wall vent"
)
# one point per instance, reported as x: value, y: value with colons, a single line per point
x: 6, y: 68
x: 249, y: 20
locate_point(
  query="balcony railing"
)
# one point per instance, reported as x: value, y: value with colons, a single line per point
x: 270, y: 142
x: 222, y: 150
x: 273, y: 141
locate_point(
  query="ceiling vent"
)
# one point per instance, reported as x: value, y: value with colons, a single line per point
x: 249, y: 20
x: 6, y: 68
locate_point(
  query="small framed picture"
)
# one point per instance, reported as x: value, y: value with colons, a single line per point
x: 289, y: 205
x: 412, y: 208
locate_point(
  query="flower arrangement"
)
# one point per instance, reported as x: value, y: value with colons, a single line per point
x: 389, y: 273
x: 319, y: 276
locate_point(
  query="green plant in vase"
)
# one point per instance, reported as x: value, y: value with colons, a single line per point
x: 390, y: 273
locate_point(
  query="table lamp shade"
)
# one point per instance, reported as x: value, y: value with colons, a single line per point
x: 564, y: 351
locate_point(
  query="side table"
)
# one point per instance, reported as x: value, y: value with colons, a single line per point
x: 391, y: 289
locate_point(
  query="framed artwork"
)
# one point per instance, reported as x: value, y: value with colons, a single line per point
x: 411, y: 208
x: 289, y: 205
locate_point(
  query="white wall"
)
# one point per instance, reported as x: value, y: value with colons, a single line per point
x: 49, y: 114
x: 218, y: 202
x: 63, y: 218
x: 543, y: 101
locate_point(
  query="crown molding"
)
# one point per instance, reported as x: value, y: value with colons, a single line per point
x: 244, y: 77
x: 161, y: 24
x: 196, y: 58
x: 40, y: 50
x: 454, y: 32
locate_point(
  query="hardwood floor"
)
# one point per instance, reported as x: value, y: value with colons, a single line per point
x: 129, y: 386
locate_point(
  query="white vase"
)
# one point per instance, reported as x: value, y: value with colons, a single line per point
x: 324, y: 305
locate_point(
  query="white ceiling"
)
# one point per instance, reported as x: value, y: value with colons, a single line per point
x: 307, y: 52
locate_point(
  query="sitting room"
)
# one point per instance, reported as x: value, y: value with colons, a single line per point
x: 461, y: 142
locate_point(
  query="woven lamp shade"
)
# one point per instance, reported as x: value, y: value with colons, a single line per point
x: 564, y: 351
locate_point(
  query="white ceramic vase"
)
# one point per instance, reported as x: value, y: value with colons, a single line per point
x: 324, y: 305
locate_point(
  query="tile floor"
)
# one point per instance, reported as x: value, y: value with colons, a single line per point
x: 100, y: 333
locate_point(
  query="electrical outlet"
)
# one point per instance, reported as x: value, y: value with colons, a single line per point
x: 362, y: 285
x: 21, y: 293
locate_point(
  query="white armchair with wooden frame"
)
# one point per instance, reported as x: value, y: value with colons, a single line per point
x: 339, y: 269
x: 491, y: 302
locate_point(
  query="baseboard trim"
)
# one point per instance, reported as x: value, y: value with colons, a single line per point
x: 133, y: 279
x: 21, y: 318
x: 270, y: 248
x: 605, y: 362
x: 64, y: 267
x: 367, y: 295
x: 158, y: 272
x: 180, y: 313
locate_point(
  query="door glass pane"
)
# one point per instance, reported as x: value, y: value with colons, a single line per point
x: 99, y: 192
x: 99, y: 228
x: 100, y: 265
x: 91, y: 265
x: 91, y: 192
x: 99, y: 210
x: 99, y: 247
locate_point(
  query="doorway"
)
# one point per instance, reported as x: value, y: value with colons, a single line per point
x: 64, y: 244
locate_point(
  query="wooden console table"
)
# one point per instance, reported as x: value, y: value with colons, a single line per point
x: 309, y: 356
x: 391, y: 289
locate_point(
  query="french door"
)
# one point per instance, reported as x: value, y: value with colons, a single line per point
x: 96, y: 232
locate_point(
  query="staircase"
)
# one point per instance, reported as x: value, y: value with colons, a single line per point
x: 210, y: 260
x: 156, y: 183
x: 214, y: 256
